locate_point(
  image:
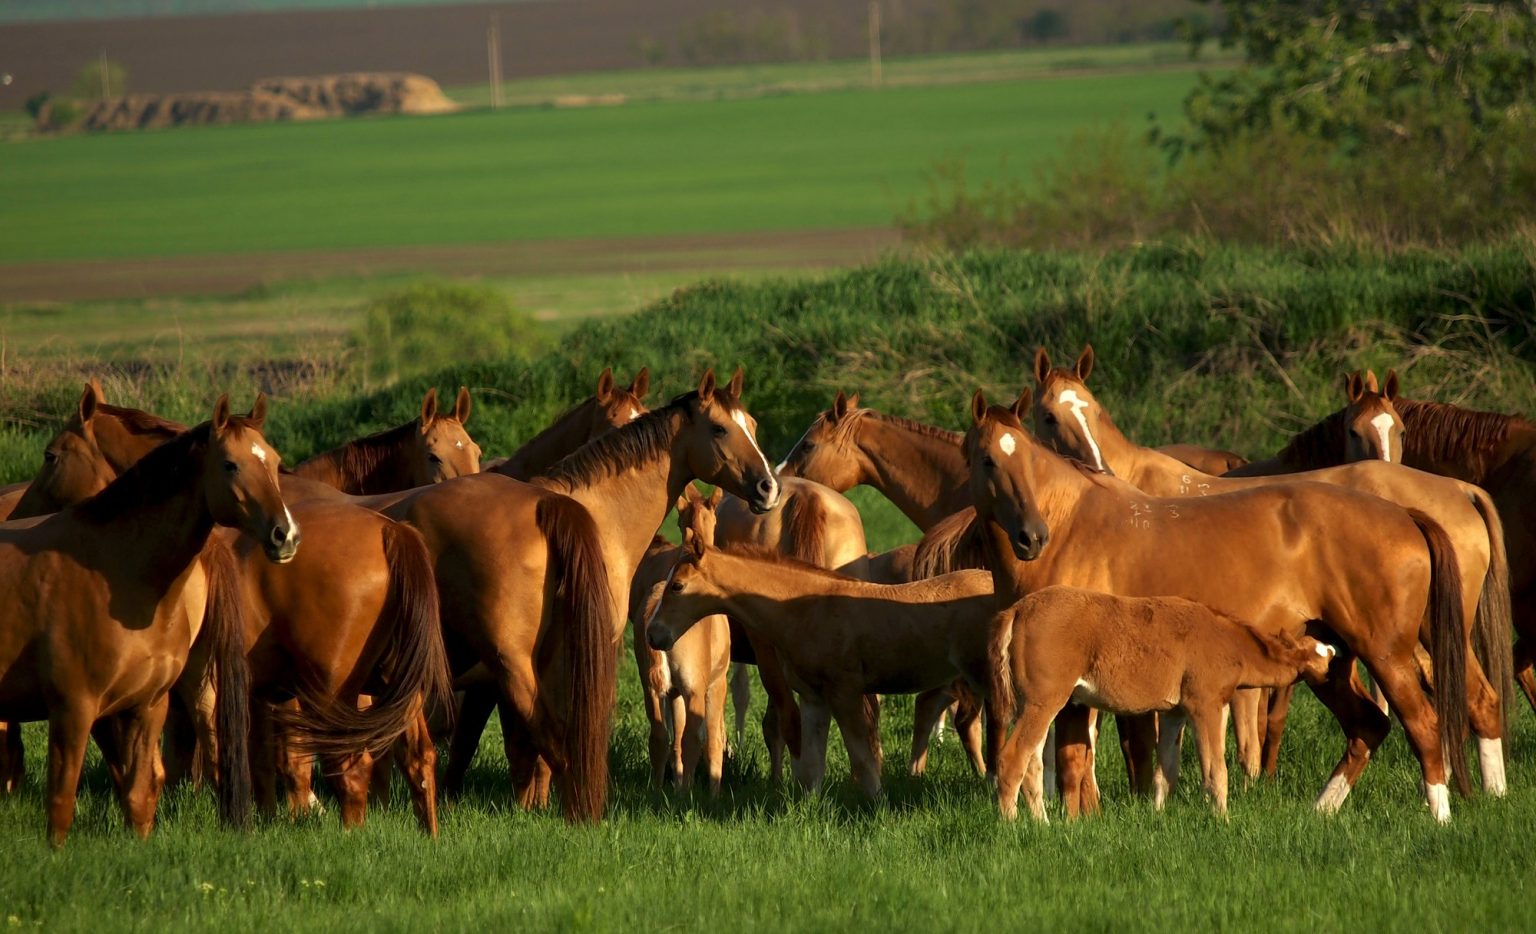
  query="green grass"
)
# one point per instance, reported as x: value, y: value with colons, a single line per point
x: 817, y: 161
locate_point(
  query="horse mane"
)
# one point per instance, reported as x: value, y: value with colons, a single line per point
x: 357, y: 460
x: 140, y: 422
x: 634, y: 444
x: 773, y: 556
x: 843, y: 430
x: 1319, y: 445
x: 161, y: 474
x: 1442, y: 432
x: 954, y: 543
x: 513, y: 464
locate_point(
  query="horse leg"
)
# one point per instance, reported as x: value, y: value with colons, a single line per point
x: 926, y: 712
x: 1138, y: 743
x: 1210, y: 726
x: 1525, y: 669
x: 653, y: 699
x: 1246, y: 730
x: 679, y: 708
x: 859, y: 730
x: 811, y: 767
x: 872, y: 712
x: 1018, y: 764
x: 773, y: 738
x: 741, y: 699
x: 1485, y: 717
x: 1274, y: 727
x: 181, y: 748
x: 474, y: 713
x: 419, y: 762
x: 695, y: 723
x: 138, y: 763
x: 1417, y: 715
x: 264, y: 758
x: 13, y: 764
x: 968, y: 727
x: 352, y: 778
x: 1363, y: 723
x: 296, y: 768
x: 1170, y: 738
x: 714, y: 742
x: 1074, y: 760
x: 69, y: 729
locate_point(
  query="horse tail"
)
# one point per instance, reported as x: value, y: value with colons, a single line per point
x: 1447, y: 646
x: 410, y: 670
x: 1000, y: 666
x: 805, y: 526
x: 1491, y: 632
x: 584, y: 607
x: 955, y: 543
x: 224, y: 619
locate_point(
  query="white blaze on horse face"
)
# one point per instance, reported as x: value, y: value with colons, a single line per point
x: 1007, y: 443
x: 740, y: 418
x: 634, y: 413
x: 1070, y: 397
x: 259, y: 452
x: 1383, y: 425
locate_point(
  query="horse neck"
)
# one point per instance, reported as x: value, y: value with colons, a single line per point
x: 1125, y: 458
x: 1061, y: 493
x: 1260, y: 669
x: 757, y: 592
x: 924, y: 476
x: 539, y: 453
x: 123, y: 448
x: 1154, y: 472
x: 154, y: 542
x: 366, y: 466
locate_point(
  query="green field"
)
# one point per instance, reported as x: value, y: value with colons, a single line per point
x: 1196, y: 342
x: 838, y: 159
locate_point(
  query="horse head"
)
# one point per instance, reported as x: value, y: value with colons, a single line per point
x: 1068, y: 419
x: 1000, y: 453
x: 443, y: 449
x: 1372, y: 428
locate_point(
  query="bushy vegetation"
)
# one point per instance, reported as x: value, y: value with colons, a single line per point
x: 438, y: 325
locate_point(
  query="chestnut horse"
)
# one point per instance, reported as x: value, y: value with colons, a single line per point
x: 1130, y: 655
x: 1370, y: 575
x: 97, y: 630
x: 1071, y: 421
x: 431, y: 449
x: 1206, y: 460
x: 683, y: 687
x: 839, y: 638
x: 534, y: 578
x: 1497, y: 452
x: 356, y: 609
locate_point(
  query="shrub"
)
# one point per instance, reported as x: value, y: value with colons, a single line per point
x: 435, y: 325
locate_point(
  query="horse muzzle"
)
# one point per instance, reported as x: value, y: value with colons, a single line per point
x: 282, y: 544
x: 659, y: 639
x: 1029, y: 542
x: 765, y: 495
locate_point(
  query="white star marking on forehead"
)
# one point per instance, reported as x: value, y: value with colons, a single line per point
x: 1007, y: 443
x: 459, y: 445
x: 1383, y: 425
x: 1078, y: 403
x: 259, y: 452
x: 634, y: 414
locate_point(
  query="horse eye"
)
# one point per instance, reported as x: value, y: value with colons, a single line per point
x: 434, y: 459
x: 231, y: 466
x: 808, y: 446
x: 720, y: 431
x: 987, y: 462
x: 1050, y: 419
x: 50, y: 458
x: 677, y: 587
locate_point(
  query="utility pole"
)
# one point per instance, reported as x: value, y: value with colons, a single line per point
x: 493, y: 59
x: 874, y: 42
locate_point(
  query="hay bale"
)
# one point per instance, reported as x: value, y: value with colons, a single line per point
x: 363, y: 93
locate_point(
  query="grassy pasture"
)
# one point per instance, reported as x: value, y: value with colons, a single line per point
x: 1195, y: 342
x: 841, y: 159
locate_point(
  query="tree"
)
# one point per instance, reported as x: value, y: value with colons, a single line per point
x: 1357, y: 71
x: 100, y: 78
x: 1045, y: 25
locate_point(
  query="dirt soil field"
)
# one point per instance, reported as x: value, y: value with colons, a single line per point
x: 207, y: 275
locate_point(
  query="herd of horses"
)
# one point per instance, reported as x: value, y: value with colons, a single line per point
x: 208, y: 615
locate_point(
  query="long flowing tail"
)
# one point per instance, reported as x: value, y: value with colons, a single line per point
x: 1448, y: 646
x: 1002, y: 703
x: 411, y: 667
x: 955, y: 543
x: 224, y: 619
x: 584, y: 612
x: 1491, y: 633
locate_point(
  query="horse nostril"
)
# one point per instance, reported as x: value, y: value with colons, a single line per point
x: 279, y: 535
x: 765, y: 487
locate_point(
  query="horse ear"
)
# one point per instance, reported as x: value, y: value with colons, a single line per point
x: 605, y: 386
x: 978, y: 407
x: 1353, y: 387
x: 707, y: 387
x: 89, y: 400
x: 682, y: 500
x: 461, y: 405
x: 1022, y: 404
x: 258, y: 415
x: 642, y: 383
x: 733, y: 388
x: 693, y: 544
x: 429, y: 407
x: 716, y: 497
x: 221, y: 413
x: 1391, y: 390
x: 1085, y: 363
x: 1042, y: 365
x: 1370, y: 382
x: 840, y: 407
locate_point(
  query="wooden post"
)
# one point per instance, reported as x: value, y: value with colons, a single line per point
x: 105, y: 89
x: 874, y: 42
x: 493, y: 59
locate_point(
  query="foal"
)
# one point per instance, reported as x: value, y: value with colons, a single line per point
x: 1129, y: 655
x: 839, y: 638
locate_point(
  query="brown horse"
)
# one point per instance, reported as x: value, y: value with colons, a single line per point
x: 1130, y: 655
x: 1497, y: 452
x: 610, y: 407
x: 356, y: 608
x: 97, y: 630
x: 814, y: 524
x: 1206, y: 460
x: 1370, y: 575
x: 683, y: 687
x: 534, y: 588
x: 839, y: 638
x: 431, y: 449
x: 1070, y: 420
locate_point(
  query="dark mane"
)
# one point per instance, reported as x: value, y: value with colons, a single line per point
x: 1320, y: 445
x: 161, y: 474
x: 357, y: 461
x: 139, y: 422
x: 1440, y: 432
x: 927, y: 431
x: 759, y: 553
x: 637, y: 443
x: 515, y: 466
